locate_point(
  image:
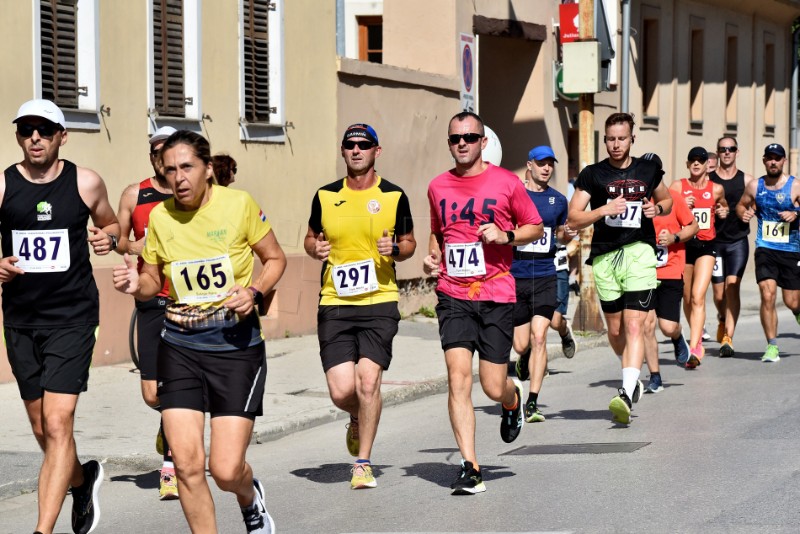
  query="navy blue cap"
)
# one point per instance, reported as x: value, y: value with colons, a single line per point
x: 541, y: 152
x: 775, y: 149
x: 697, y: 152
x: 365, y: 131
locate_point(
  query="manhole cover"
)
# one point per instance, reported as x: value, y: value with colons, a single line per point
x: 580, y: 448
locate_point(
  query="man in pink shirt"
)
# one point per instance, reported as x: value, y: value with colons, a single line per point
x: 478, y: 212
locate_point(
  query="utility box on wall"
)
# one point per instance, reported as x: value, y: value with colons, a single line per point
x: 581, y: 67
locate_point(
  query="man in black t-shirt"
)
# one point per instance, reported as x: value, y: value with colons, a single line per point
x: 625, y: 194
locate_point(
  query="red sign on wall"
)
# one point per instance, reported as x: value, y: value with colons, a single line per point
x: 569, y: 16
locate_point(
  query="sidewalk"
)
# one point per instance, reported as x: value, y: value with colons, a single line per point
x: 114, y: 425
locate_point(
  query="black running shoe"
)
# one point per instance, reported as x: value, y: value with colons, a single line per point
x: 469, y: 481
x: 637, y: 391
x: 568, y: 342
x: 522, y: 368
x: 512, y: 420
x: 85, y: 504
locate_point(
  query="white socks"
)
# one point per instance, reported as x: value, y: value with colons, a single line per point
x: 630, y: 375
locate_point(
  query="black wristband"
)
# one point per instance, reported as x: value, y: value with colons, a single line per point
x: 660, y: 209
x: 258, y: 299
x: 511, y: 237
x: 677, y: 238
x: 395, y: 250
x: 114, y: 241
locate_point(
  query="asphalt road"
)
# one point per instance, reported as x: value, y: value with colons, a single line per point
x: 717, y: 451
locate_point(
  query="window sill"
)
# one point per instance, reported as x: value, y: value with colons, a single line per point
x: 82, y: 120
x: 179, y: 123
x: 254, y: 132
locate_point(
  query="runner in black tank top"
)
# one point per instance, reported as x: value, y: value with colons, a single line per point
x: 50, y: 300
x: 734, y: 248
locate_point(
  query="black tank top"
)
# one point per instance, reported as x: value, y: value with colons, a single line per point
x: 44, y: 217
x: 731, y: 228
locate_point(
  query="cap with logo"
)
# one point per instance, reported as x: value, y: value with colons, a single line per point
x: 162, y: 134
x: 364, y: 131
x: 775, y: 149
x: 541, y: 152
x: 44, y: 109
x: 697, y: 152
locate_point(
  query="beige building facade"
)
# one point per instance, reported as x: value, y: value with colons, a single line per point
x: 274, y: 85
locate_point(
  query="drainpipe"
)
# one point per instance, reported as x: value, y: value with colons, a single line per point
x: 793, y: 106
x: 340, y: 28
x: 626, y: 55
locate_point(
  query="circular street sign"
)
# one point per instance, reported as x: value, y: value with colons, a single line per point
x: 572, y: 97
x: 493, y: 153
x: 466, y: 67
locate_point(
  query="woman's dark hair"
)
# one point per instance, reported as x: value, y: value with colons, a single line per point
x: 224, y: 168
x: 199, y: 144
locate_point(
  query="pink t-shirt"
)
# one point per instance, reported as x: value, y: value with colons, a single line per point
x: 459, y: 205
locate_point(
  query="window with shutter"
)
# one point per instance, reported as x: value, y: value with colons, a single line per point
x: 59, y: 64
x: 256, y: 60
x: 168, y: 61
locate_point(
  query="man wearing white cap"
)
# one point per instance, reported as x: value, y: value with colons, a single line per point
x: 135, y: 205
x: 50, y: 300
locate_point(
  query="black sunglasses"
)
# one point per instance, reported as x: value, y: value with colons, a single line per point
x: 45, y: 129
x: 730, y: 149
x: 468, y: 138
x: 363, y: 145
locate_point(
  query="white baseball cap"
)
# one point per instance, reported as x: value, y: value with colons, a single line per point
x: 162, y: 134
x: 42, y: 108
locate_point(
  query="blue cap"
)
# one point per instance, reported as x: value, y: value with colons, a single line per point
x: 775, y: 149
x: 541, y: 152
x: 365, y: 131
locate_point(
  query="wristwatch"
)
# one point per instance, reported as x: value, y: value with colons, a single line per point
x: 677, y: 238
x: 114, y: 241
x: 511, y: 237
x: 258, y: 299
x: 395, y: 250
x: 660, y: 208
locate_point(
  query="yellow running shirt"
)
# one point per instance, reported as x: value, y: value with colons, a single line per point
x: 353, y: 221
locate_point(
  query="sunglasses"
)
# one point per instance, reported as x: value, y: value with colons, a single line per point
x: 363, y: 145
x: 468, y: 138
x: 729, y: 149
x: 46, y: 129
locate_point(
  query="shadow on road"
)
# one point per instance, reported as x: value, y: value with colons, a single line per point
x: 148, y: 480
x: 331, y: 473
x: 444, y: 474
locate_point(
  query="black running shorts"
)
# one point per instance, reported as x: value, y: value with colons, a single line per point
x: 54, y: 359
x: 732, y: 258
x: 697, y: 249
x: 535, y: 296
x: 347, y: 333
x: 485, y: 326
x: 149, y: 324
x: 220, y: 383
x: 783, y: 267
x: 669, y: 295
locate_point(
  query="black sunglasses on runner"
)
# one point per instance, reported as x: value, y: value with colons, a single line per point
x: 468, y: 138
x: 730, y: 149
x: 45, y: 129
x: 363, y: 145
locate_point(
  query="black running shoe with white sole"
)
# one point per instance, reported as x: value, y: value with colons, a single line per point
x: 85, y: 502
x: 256, y: 517
x: 469, y: 481
x: 512, y: 420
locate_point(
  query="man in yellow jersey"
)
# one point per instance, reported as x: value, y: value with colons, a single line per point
x: 359, y: 227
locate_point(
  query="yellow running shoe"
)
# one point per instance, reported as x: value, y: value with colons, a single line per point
x: 726, y: 349
x: 168, y: 487
x: 351, y: 438
x: 362, y: 477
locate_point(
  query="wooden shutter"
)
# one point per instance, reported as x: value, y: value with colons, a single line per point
x: 168, y: 57
x: 59, y: 51
x: 256, y: 60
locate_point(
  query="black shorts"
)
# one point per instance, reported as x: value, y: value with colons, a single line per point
x: 347, y: 333
x: 485, y: 326
x: 562, y: 292
x: 783, y: 267
x: 535, y: 296
x: 669, y: 294
x: 50, y: 359
x: 149, y: 324
x: 697, y: 249
x: 731, y: 260
x: 220, y: 383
